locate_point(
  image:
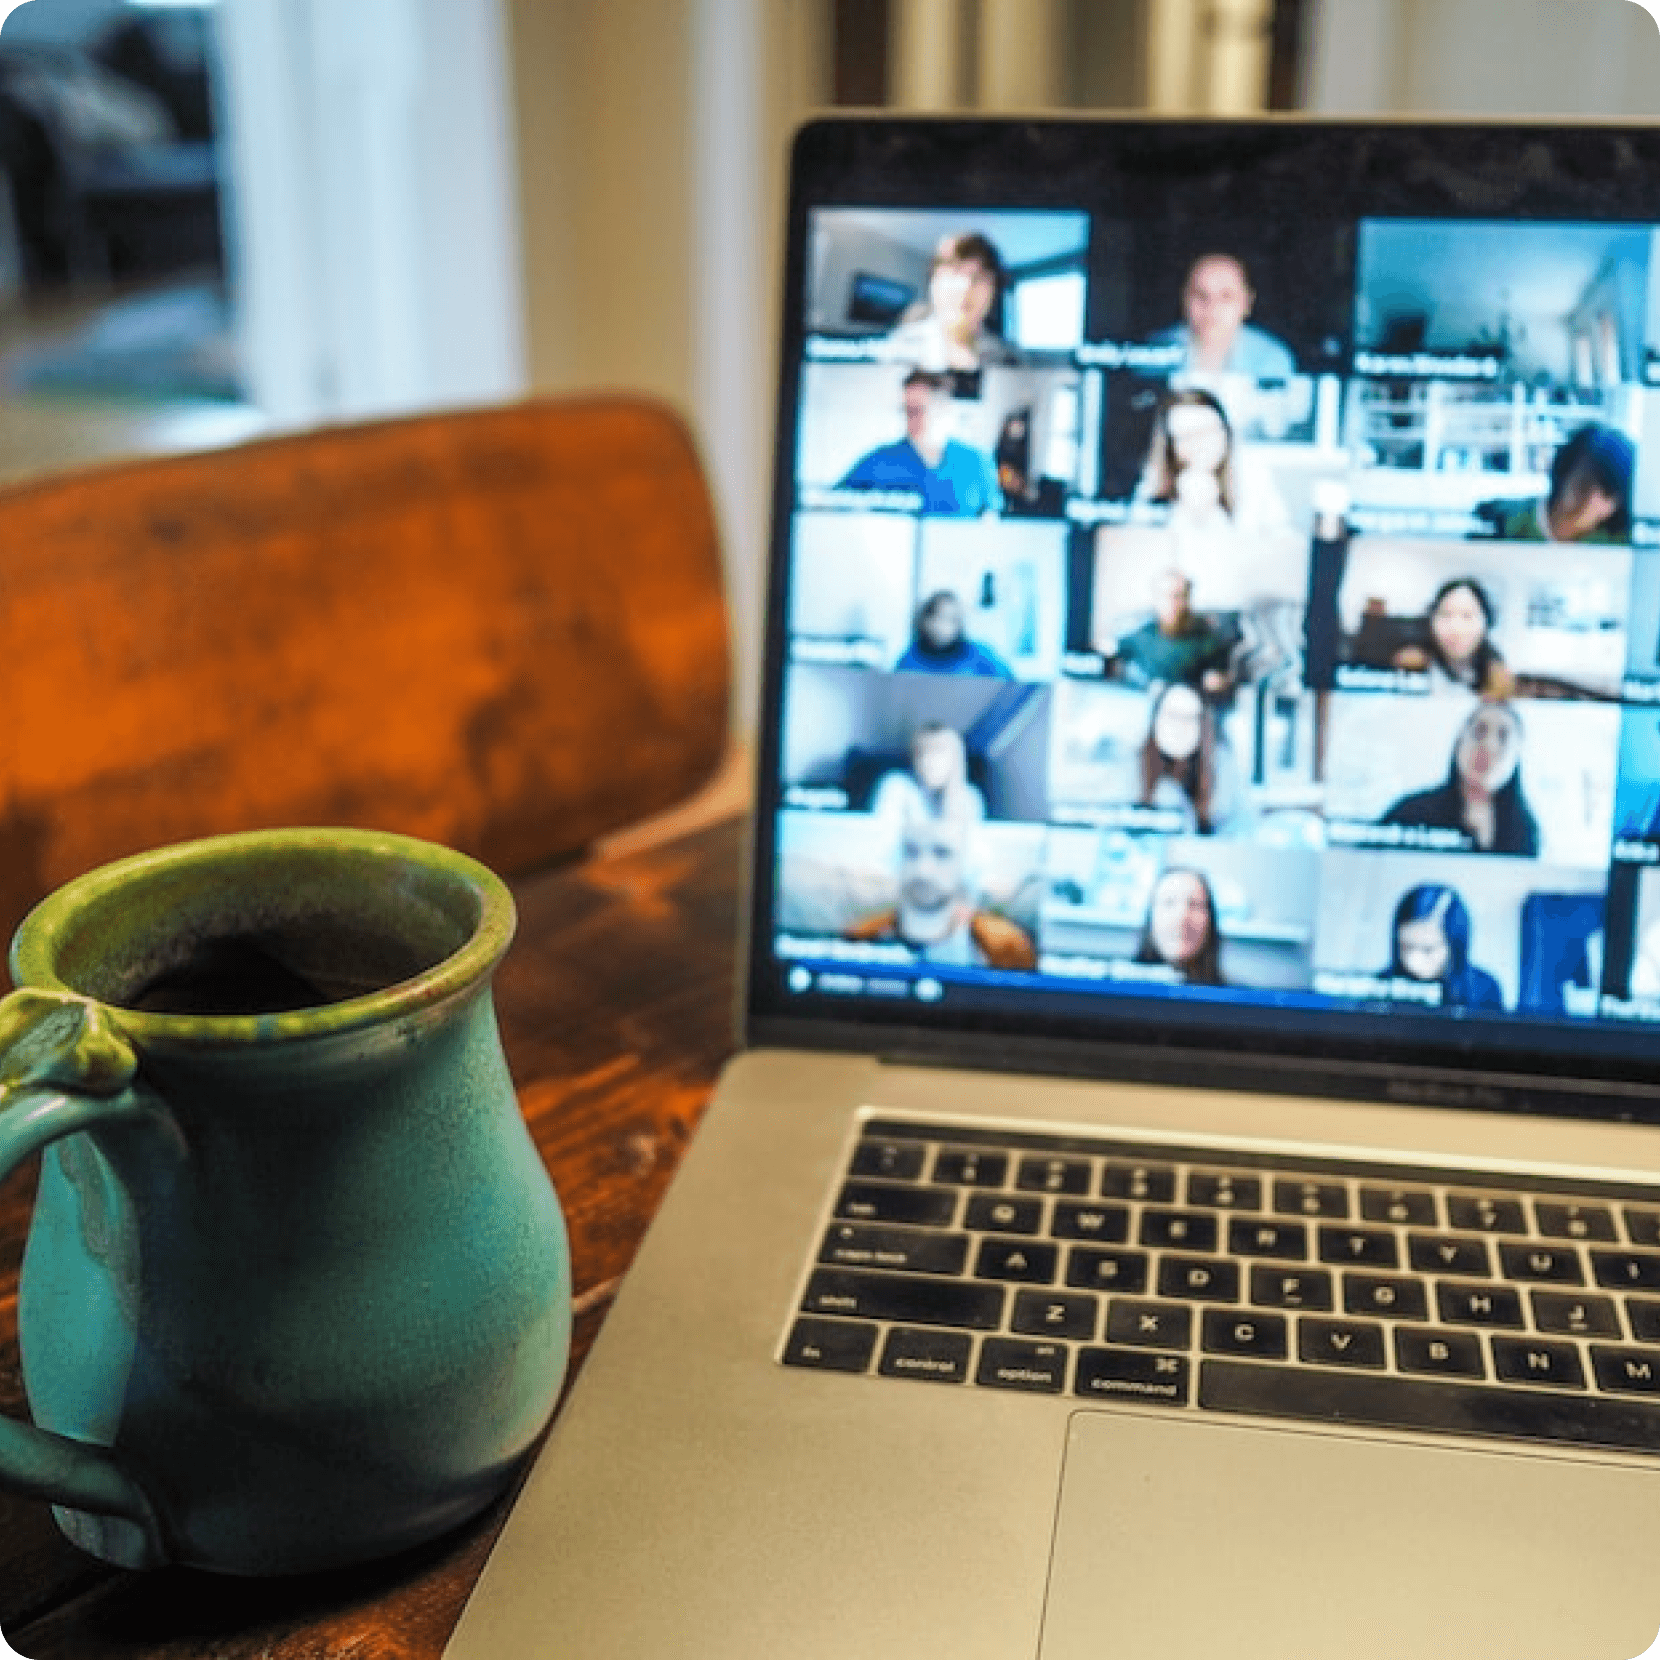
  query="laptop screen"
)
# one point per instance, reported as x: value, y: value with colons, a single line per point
x: 1216, y: 590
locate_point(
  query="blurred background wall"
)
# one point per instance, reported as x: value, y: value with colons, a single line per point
x: 222, y: 218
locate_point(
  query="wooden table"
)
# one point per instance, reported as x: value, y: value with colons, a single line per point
x: 616, y: 1007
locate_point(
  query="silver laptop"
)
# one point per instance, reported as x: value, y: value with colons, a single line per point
x: 1192, y: 1185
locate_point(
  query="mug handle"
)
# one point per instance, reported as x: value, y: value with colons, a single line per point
x: 63, y: 1069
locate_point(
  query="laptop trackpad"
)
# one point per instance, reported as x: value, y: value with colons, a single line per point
x: 1189, y: 1539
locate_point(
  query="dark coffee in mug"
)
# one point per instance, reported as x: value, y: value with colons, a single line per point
x: 258, y: 973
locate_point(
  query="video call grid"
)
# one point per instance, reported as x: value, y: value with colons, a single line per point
x: 1335, y: 556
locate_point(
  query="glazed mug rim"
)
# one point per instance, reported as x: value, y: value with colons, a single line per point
x: 41, y: 938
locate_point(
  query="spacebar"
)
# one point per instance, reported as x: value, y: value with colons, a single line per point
x: 1407, y: 1403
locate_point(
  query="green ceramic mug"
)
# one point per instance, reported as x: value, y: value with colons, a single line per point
x: 297, y: 1287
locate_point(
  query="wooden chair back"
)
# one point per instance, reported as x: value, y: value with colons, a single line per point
x: 502, y: 629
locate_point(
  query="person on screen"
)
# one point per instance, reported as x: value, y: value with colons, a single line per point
x: 1432, y: 946
x: 1214, y: 335
x: 1180, y: 930
x: 937, y: 916
x: 1177, y: 644
x: 1482, y: 795
x: 1227, y: 529
x: 940, y: 643
x: 1589, y: 499
x: 937, y: 786
x: 951, y: 477
x: 1458, y: 649
x: 951, y: 329
x: 1185, y: 766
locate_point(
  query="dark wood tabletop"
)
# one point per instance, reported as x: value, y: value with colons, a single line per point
x: 616, y: 1006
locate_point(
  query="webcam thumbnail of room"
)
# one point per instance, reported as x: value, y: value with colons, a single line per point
x: 1498, y: 376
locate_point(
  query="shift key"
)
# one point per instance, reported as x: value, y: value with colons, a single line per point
x: 916, y: 1300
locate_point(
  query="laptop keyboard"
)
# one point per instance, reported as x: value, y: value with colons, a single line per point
x: 1348, y: 1293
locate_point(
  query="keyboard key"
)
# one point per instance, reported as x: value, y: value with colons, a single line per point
x: 1574, y: 1221
x: 1055, y: 1314
x: 1133, y: 1375
x: 915, y: 1299
x: 1385, y: 1296
x: 1536, y: 1361
x: 1110, y: 1224
x: 1645, y: 1319
x: 1294, y: 1197
x: 1479, y: 1305
x: 1284, y: 1288
x: 1438, y: 1353
x: 1221, y: 1190
x: 1038, y: 1367
x: 1041, y: 1175
x: 1431, y: 1254
x: 1152, y: 1184
x: 1642, y: 1225
x: 1359, y: 1247
x: 1482, y: 1213
x: 851, y: 1245
x: 1202, y: 1279
x: 830, y: 1345
x: 1575, y: 1314
x: 1409, y: 1206
x: 928, y: 1207
x: 1626, y: 1371
x: 1093, y: 1270
x: 935, y: 1356
x: 1627, y: 1270
x: 1558, y: 1264
x: 1029, y: 1263
x: 1228, y: 1332
x: 1335, y: 1396
x: 1181, y: 1230
x: 968, y: 1167
x: 1149, y: 1325
x: 894, y: 1161
x: 1340, y: 1343
x: 1250, y: 1237
x: 992, y: 1213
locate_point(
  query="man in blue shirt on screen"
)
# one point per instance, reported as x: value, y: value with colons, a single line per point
x: 950, y: 477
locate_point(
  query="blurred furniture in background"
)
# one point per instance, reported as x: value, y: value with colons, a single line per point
x: 502, y: 629
x: 107, y: 145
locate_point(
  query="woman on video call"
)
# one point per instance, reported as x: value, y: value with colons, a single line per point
x: 1217, y: 298
x: 1457, y: 649
x: 1185, y: 766
x: 1482, y: 795
x: 950, y: 330
x: 1227, y: 531
x: 937, y: 786
x: 1431, y: 945
x: 1180, y: 930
